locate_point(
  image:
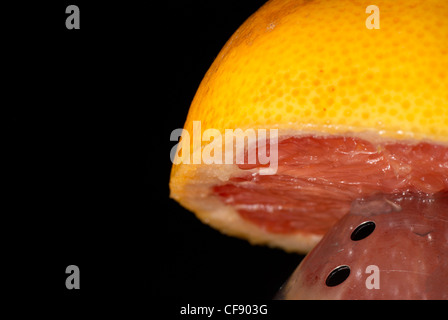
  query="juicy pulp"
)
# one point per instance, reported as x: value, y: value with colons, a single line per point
x: 319, y: 177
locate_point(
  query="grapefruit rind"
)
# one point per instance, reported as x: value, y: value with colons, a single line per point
x: 312, y: 68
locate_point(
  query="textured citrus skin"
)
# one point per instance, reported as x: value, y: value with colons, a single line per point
x: 312, y: 66
x: 296, y: 64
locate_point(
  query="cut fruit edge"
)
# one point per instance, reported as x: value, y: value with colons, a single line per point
x: 192, y: 186
x: 211, y: 210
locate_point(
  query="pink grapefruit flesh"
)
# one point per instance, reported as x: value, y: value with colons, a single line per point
x: 319, y: 177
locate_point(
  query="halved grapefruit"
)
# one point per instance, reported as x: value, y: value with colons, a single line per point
x: 359, y: 112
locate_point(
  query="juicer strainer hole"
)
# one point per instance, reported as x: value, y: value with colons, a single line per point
x: 337, y: 276
x: 363, y: 231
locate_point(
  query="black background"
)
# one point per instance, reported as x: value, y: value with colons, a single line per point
x: 87, y: 115
x: 88, y: 123
x: 196, y: 261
